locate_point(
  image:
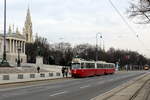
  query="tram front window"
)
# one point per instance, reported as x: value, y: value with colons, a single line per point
x: 75, y: 66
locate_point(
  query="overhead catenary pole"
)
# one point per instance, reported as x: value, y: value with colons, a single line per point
x: 4, y: 62
x: 4, y: 52
x: 96, y: 49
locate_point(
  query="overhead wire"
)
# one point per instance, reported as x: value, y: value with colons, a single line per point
x: 128, y: 25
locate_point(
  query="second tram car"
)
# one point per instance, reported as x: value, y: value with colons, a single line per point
x: 82, y: 68
x: 146, y: 67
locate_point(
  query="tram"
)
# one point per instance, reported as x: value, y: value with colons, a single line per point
x: 146, y: 67
x: 83, y: 68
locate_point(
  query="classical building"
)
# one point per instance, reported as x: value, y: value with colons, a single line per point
x: 15, y: 42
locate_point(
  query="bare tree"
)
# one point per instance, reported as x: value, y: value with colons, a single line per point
x: 140, y: 9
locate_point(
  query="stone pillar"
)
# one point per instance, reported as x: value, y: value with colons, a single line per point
x: 10, y: 49
x: 13, y: 49
x: 24, y: 47
x: 18, y: 43
x: 21, y: 42
x: 16, y: 46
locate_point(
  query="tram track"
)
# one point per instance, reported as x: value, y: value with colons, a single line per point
x: 148, y: 91
x: 110, y: 94
x: 138, y: 91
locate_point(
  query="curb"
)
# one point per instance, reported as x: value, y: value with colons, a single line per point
x: 32, y: 81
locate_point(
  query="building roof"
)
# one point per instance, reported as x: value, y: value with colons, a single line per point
x: 14, y: 35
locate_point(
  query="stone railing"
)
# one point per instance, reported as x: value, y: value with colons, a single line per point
x: 24, y: 77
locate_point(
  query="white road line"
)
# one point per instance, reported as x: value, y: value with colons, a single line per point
x: 58, y: 93
x: 84, y: 86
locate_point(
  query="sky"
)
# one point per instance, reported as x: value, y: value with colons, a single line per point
x: 78, y: 21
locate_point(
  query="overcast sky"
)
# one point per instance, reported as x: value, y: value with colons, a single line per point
x: 78, y: 21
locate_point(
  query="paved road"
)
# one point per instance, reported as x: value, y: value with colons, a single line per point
x: 72, y: 89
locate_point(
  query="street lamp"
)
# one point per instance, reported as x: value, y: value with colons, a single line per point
x: 96, y: 51
x: 18, y: 60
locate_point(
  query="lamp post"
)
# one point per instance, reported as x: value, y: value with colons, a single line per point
x: 103, y: 44
x: 19, y: 61
x: 96, y: 51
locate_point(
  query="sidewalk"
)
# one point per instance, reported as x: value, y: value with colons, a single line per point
x: 136, y: 89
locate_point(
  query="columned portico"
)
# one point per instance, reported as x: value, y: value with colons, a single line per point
x: 13, y: 44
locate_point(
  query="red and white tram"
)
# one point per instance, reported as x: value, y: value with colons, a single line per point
x: 82, y: 68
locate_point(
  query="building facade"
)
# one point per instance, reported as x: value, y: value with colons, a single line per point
x: 15, y: 42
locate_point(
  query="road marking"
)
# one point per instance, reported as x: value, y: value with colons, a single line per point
x: 58, y: 93
x: 84, y: 86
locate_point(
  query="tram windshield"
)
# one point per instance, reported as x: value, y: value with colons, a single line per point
x: 75, y: 66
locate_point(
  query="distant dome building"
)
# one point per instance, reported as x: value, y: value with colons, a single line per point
x: 16, y: 40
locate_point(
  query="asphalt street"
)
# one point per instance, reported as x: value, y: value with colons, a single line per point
x: 70, y: 89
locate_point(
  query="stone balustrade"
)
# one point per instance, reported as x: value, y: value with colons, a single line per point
x: 24, y: 77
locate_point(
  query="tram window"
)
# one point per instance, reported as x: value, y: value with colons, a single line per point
x: 112, y: 66
x: 87, y: 65
x: 82, y: 65
x: 109, y: 66
x: 76, y: 66
x: 92, y: 65
x: 99, y: 65
x: 106, y: 65
x: 103, y: 66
